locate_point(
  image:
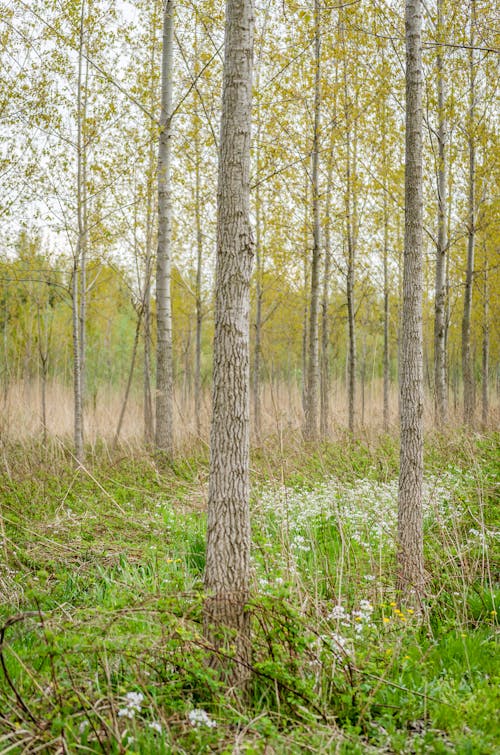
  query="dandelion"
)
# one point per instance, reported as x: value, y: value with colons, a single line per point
x: 386, y: 620
x: 199, y: 717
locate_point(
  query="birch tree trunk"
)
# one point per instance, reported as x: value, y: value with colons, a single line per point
x: 441, y: 408
x: 410, y: 580
x: 312, y: 396
x: 258, y: 319
x: 325, y: 320
x: 164, y: 368
x: 386, y: 315
x: 199, y: 303
x: 486, y: 347
x: 227, y: 573
x: 467, y: 366
x: 78, y: 282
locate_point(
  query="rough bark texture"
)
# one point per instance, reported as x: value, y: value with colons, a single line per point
x: 410, y: 529
x: 325, y: 320
x: 486, y: 348
x: 386, y: 316
x: 78, y: 312
x: 199, y: 303
x: 257, y: 417
x: 467, y: 366
x: 164, y: 371
x: 227, y: 571
x: 312, y: 396
x: 441, y: 408
x: 77, y: 385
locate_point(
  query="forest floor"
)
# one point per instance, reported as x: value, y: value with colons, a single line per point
x: 102, y: 649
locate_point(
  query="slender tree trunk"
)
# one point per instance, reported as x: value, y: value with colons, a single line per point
x: 467, y: 362
x: 258, y: 320
x: 148, y: 402
x: 77, y: 386
x: 486, y: 347
x: 441, y: 408
x: 410, y: 518
x: 80, y: 254
x: 304, y: 339
x: 83, y: 223
x: 148, y: 415
x: 227, y: 573
x: 164, y: 367
x: 386, y: 358
x: 325, y: 320
x: 199, y: 302
x: 312, y: 402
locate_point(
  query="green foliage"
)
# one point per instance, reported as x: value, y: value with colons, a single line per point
x: 104, y: 574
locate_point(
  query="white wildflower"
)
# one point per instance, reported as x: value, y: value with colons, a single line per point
x: 155, y: 726
x: 200, y: 717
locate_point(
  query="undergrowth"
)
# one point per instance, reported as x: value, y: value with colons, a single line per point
x: 102, y: 648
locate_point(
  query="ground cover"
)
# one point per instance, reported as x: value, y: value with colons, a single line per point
x: 101, y: 581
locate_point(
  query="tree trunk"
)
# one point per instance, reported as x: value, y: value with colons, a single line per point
x: 386, y: 317
x: 79, y: 258
x: 164, y: 367
x: 441, y: 408
x: 312, y: 396
x: 199, y: 303
x: 410, y: 519
x: 258, y: 322
x: 486, y: 346
x: 77, y: 385
x: 325, y: 320
x: 467, y: 363
x: 227, y: 573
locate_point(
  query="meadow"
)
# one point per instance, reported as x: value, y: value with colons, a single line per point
x: 102, y: 649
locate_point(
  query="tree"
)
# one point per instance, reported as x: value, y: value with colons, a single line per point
x: 312, y: 394
x: 164, y: 367
x: 227, y: 572
x: 467, y: 361
x: 410, y: 520
x: 441, y: 408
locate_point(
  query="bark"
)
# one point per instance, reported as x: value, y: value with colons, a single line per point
x: 227, y: 573
x: 441, y: 408
x: 83, y: 219
x: 199, y: 302
x: 386, y: 317
x: 486, y: 348
x: 312, y: 395
x: 258, y: 322
x: 77, y: 385
x: 467, y: 363
x: 78, y: 283
x: 410, y: 520
x: 164, y: 368
x: 325, y: 320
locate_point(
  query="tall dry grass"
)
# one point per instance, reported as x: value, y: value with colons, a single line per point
x: 282, y: 415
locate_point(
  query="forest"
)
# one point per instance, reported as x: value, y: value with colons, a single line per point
x: 249, y: 376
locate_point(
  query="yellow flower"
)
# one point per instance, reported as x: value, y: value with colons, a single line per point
x: 493, y: 613
x: 393, y: 604
x: 170, y: 560
x: 410, y: 610
x: 386, y: 620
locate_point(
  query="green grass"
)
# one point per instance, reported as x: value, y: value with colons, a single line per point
x: 101, y: 580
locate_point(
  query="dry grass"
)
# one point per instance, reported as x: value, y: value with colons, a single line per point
x: 282, y: 416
